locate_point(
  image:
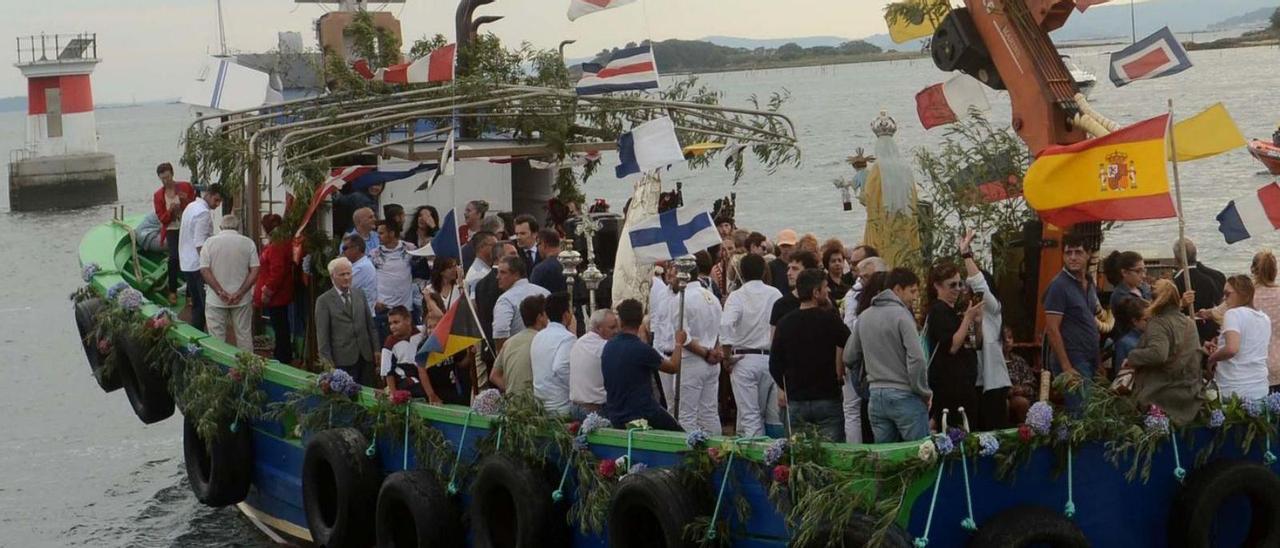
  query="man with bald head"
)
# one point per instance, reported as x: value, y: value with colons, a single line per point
x: 363, y: 224
x: 345, y: 331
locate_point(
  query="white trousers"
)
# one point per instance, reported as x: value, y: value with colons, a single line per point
x: 668, y: 381
x: 852, y: 411
x: 755, y: 393
x: 699, y: 395
x: 241, y: 319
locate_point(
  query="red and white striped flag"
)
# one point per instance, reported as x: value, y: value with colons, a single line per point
x: 435, y: 67
x: 578, y: 8
x: 950, y: 101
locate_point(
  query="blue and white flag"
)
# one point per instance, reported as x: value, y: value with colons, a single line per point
x: 1152, y: 57
x: 1253, y: 215
x: 630, y: 69
x: 647, y: 147
x: 445, y: 242
x: 446, y: 166
x: 673, y: 233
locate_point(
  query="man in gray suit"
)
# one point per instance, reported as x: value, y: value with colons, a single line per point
x: 345, y: 332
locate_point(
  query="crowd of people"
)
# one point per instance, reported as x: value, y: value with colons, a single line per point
x: 807, y: 334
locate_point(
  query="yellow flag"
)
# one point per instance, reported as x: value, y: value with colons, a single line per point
x: 1209, y: 133
x: 912, y: 19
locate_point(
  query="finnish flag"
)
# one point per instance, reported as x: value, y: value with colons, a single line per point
x: 647, y: 147
x: 673, y: 233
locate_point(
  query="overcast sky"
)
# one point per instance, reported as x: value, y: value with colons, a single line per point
x: 151, y: 49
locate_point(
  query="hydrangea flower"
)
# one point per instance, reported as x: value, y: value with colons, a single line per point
x: 714, y: 453
x: 115, y: 290
x: 191, y: 350
x: 773, y: 453
x: 781, y: 473
x: 927, y: 452
x: 592, y: 423
x: 606, y: 468
x: 944, y: 444
x: 956, y: 435
x: 1040, y: 417
x: 488, y: 402
x: 89, y: 271
x: 306, y: 265
x: 130, y: 299
x: 1062, y: 433
x: 573, y: 427
x: 1253, y: 407
x: 988, y: 445
x: 1217, y: 418
x: 1156, y: 424
x: 339, y: 382
x: 104, y: 346
x: 401, y: 397
x: 1273, y: 403
x: 1025, y: 433
x: 637, y: 468
x: 580, y: 442
x: 696, y: 438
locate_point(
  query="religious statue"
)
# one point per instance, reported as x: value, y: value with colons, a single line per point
x: 890, y: 198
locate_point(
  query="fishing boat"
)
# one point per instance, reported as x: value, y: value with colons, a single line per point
x: 1267, y: 153
x: 1084, y: 79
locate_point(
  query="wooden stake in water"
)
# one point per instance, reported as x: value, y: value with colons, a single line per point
x: 1182, y: 223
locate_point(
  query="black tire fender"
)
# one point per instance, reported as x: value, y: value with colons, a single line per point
x: 84, y: 313
x: 219, y: 472
x: 1024, y: 526
x: 511, y: 506
x: 339, y: 489
x: 652, y: 508
x: 147, y: 390
x: 414, y: 511
x: 1191, y: 519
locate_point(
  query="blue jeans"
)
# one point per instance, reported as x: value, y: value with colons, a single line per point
x: 195, y: 293
x: 1087, y: 366
x: 827, y: 415
x: 898, y: 415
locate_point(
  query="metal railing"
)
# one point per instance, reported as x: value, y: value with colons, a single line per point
x: 57, y: 48
x: 19, y: 154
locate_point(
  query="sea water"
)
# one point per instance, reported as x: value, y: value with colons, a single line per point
x: 76, y: 467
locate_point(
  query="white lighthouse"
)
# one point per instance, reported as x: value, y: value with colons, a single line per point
x: 60, y: 165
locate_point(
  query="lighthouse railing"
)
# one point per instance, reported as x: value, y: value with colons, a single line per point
x: 57, y: 48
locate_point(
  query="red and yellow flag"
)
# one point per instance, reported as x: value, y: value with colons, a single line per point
x: 1116, y: 177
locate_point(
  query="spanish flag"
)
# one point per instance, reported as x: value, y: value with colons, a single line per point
x: 458, y: 330
x: 1116, y: 177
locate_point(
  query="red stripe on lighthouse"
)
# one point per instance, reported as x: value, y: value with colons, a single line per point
x: 76, y: 92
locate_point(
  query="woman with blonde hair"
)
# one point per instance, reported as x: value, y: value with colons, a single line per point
x: 1239, y: 357
x: 1266, y: 298
x: 1166, y: 362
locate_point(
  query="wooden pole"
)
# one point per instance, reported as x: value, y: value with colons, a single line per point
x: 1182, y: 223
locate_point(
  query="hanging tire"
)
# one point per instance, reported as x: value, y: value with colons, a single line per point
x: 1198, y: 502
x: 1024, y: 526
x: 147, y: 390
x: 414, y: 511
x: 84, y: 312
x: 512, y: 508
x: 857, y: 533
x: 219, y: 472
x: 339, y: 489
x: 652, y: 508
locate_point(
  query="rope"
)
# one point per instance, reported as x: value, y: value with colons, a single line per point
x: 235, y: 424
x: 968, y: 523
x: 404, y: 463
x: 558, y: 494
x: 453, y: 474
x: 373, y: 440
x: 630, y: 433
x: 1070, y: 509
x: 923, y: 541
x: 1268, y: 457
x: 133, y: 244
x: 498, y: 447
x: 715, y: 514
x: 1178, y: 471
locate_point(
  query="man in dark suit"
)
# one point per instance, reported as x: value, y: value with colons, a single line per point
x: 1206, y: 282
x: 526, y: 237
x: 489, y: 224
x: 345, y: 331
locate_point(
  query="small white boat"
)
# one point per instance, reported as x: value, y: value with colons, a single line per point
x: 1085, y: 80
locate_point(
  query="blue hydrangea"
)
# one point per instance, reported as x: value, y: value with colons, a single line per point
x: 191, y: 350
x: 777, y: 448
x: 115, y: 290
x: 956, y: 435
x: 89, y: 271
x: 1217, y: 418
x: 1157, y: 424
x: 130, y: 299
x: 592, y: 423
x: 696, y: 438
x: 1063, y: 433
x: 1273, y: 403
x: 306, y: 265
x: 1253, y: 407
x: 340, y: 382
x: 1040, y: 417
x: 988, y: 444
x: 580, y: 442
x: 487, y: 402
x: 943, y: 443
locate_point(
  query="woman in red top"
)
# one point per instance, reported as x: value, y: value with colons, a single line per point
x: 169, y: 201
x: 273, y: 290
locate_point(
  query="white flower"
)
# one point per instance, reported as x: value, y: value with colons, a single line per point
x: 927, y: 452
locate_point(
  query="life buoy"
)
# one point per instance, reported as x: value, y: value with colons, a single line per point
x: 89, y: 337
x: 414, y: 511
x: 147, y: 390
x: 512, y: 507
x: 339, y: 489
x: 1191, y: 521
x: 219, y: 471
x: 1023, y: 526
x: 857, y: 533
x: 652, y: 508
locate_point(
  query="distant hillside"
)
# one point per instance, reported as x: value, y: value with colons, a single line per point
x: 699, y: 56
x: 10, y: 104
x: 1112, y: 20
x: 772, y: 43
x: 1258, y: 18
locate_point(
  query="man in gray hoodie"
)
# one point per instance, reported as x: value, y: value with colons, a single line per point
x: 886, y: 344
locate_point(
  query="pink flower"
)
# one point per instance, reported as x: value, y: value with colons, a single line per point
x: 714, y: 453
x: 104, y: 346
x: 235, y: 374
x: 1156, y: 411
x: 401, y: 397
x: 573, y: 427
x: 1024, y: 432
x: 607, y: 468
x: 781, y: 473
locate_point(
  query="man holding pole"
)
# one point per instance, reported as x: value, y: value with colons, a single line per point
x: 699, y: 379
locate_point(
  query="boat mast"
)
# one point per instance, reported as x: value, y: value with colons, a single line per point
x: 222, y: 32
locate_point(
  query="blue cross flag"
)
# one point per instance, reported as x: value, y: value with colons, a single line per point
x: 673, y: 233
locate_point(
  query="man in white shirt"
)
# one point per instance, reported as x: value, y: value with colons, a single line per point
x: 662, y: 328
x: 700, y: 369
x: 229, y: 266
x: 197, y: 226
x: 586, y: 381
x: 484, y: 243
x: 395, y: 275
x: 514, y: 286
x: 550, y: 355
x: 363, y: 275
x: 745, y: 336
